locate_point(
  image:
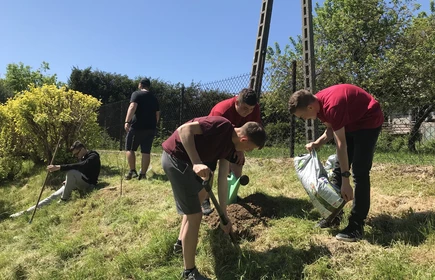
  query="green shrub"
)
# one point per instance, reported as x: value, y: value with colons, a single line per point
x: 162, y: 134
x: 278, y: 134
x: 9, y: 160
x: 41, y: 118
x: 428, y: 147
x: 388, y: 142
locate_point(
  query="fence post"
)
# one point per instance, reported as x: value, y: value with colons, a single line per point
x: 121, y: 123
x: 293, y: 120
x: 180, y: 122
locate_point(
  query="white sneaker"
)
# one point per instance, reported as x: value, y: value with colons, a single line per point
x: 17, y: 214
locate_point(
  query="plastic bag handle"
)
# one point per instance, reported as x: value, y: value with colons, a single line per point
x: 313, y: 153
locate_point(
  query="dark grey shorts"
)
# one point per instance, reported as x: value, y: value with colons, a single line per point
x: 136, y: 137
x: 185, y: 184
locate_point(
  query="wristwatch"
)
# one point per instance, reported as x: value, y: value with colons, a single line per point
x: 345, y: 174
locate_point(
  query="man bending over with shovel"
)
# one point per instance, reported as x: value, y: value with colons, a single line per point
x: 238, y: 110
x: 204, y: 139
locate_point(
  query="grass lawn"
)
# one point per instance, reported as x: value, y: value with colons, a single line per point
x: 128, y: 232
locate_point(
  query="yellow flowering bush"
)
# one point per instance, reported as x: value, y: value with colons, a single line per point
x: 36, y: 119
x: 10, y: 163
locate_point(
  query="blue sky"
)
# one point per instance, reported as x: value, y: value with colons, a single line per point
x: 173, y: 40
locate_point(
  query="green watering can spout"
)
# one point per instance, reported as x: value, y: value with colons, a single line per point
x: 233, y: 186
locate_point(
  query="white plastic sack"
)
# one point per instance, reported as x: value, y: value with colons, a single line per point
x: 325, y: 197
x: 330, y: 164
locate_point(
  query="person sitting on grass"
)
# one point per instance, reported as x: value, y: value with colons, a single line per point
x: 81, y: 176
x: 354, y: 119
x: 204, y: 139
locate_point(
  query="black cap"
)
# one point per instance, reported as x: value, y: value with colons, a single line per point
x: 145, y: 82
x: 76, y: 145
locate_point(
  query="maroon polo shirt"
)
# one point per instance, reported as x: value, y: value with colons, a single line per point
x: 227, y: 109
x: 350, y: 107
x: 213, y: 144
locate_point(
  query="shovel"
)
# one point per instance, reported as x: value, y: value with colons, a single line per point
x: 222, y: 217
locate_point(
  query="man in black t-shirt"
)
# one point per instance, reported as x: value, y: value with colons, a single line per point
x: 81, y: 176
x: 140, y: 124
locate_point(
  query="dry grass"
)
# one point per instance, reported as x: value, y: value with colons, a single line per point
x: 112, y: 236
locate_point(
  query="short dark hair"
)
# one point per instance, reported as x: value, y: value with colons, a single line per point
x: 248, y: 96
x: 255, y: 133
x: 300, y: 100
x: 145, y: 82
x: 77, y: 145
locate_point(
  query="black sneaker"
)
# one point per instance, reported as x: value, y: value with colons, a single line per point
x: 206, y: 207
x: 178, y: 249
x: 351, y: 233
x: 335, y: 222
x: 194, y: 275
x: 131, y: 174
x: 141, y: 175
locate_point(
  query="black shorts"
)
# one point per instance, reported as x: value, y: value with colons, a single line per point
x: 144, y: 138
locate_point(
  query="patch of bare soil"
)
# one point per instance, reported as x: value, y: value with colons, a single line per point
x: 248, y: 216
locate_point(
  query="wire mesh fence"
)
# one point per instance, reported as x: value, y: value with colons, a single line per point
x: 408, y: 135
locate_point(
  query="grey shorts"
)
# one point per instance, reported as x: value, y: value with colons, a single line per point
x: 185, y: 184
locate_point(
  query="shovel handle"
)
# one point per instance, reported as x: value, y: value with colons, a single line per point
x: 222, y: 217
x: 335, y: 212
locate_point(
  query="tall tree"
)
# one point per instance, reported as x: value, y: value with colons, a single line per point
x: 20, y: 77
x: 5, y: 91
x: 410, y: 67
x: 379, y: 45
x: 107, y: 87
x: 275, y: 101
x: 353, y: 36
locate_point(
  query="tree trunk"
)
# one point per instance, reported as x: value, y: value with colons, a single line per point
x: 414, y: 135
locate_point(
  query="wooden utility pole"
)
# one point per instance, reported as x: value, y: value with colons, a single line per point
x: 261, y: 46
x: 311, y: 127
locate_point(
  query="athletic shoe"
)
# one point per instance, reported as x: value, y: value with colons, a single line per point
x: 131, y: 174
x: 206, y: 207
x: 17, y: 214
x: 178, y: 249
x: 141, y: 175
x: 195, y: 275
x: 351, y: 233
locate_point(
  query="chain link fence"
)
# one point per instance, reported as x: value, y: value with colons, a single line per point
x: 408, y: 136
